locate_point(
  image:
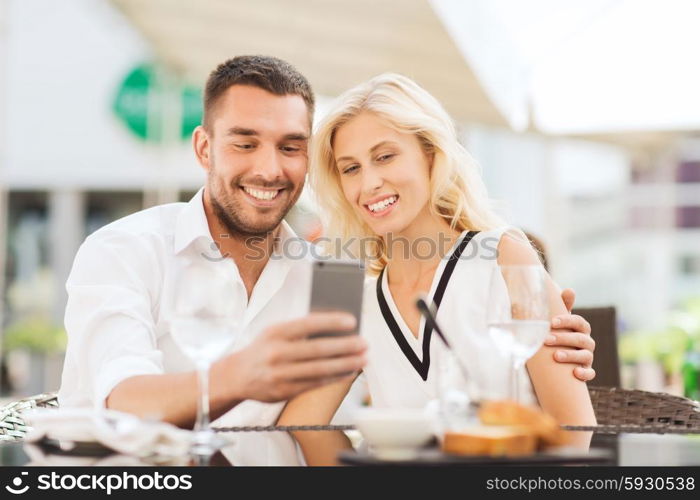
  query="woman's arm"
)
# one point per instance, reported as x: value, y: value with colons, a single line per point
x: 559, y: 393
x: 317, y: 407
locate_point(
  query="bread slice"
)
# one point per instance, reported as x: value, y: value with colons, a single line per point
x: 509, y: 441
x: 510, y: 413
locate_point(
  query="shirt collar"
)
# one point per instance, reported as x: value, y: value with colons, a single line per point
x: 192, y: 226
x: 289, y: 246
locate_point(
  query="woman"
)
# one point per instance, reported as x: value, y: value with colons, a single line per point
x: 388, y: 169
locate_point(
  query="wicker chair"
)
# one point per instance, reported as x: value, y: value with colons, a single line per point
x: 629, y: 410
x: 12, y: 425
x: 606, y: 363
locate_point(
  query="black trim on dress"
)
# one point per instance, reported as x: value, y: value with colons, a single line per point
x: 421, y: 366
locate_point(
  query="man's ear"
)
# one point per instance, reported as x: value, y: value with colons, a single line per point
x: 200, y: 144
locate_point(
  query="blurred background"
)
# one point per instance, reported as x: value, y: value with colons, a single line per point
x: 584, y: 116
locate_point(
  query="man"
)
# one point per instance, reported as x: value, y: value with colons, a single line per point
x: 252, y: 145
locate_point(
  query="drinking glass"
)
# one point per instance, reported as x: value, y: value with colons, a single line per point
x: 203, y: 324
x: 518, y: 315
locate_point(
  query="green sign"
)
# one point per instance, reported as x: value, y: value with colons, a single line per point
x: 146, y: 97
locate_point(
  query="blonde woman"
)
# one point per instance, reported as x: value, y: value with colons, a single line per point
x: 391, y: 176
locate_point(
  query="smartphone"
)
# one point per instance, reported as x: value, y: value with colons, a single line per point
x: 337, y: 285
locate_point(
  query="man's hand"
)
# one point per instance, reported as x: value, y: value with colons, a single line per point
x: 571, y: 330
x: 569, y: 297
x: 283, y: 362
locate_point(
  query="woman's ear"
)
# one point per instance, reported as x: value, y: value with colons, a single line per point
x: 428, y: 151
x: 431, y: 158
x: 200, y: 144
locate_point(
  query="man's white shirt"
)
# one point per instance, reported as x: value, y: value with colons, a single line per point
x: 117, y: 318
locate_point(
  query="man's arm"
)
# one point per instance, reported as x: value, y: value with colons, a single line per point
x: 172, y: 397
x: 281, y: 363
x: 109, y: 317
x: 113, y: 358
x: 168, y: 397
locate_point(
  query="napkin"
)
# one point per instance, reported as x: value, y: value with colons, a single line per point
x: 121, y: 432
x: 42, y: 458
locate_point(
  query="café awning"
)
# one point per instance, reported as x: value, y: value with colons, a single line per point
x: 335, y: 43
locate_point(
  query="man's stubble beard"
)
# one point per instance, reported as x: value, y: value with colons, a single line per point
x: 226, y: 209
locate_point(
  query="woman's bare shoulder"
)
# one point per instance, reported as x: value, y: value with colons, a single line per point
x: 514, y: 249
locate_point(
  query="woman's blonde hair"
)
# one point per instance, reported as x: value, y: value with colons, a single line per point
x: 457, y: 192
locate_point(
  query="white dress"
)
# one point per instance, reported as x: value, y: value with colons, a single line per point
x: 404, y: 371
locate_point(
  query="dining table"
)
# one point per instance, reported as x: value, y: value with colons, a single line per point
x: 624, y: 449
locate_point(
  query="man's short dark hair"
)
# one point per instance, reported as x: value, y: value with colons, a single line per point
x: 268, y: 73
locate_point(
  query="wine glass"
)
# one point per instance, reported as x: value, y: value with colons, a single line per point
x: 456, y: 395
x: 518, y: 315
x: 203, y: 324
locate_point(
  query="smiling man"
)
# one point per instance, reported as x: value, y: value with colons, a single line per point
x: 253, y: 147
